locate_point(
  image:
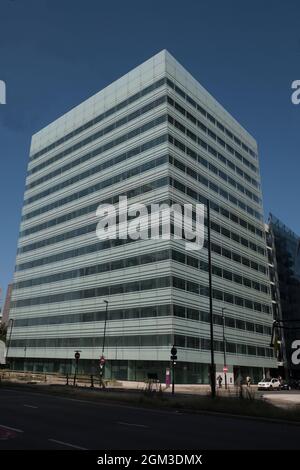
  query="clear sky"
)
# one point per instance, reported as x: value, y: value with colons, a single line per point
x: 56, y: 53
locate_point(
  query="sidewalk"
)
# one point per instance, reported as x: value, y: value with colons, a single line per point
x: 288, y: 400
x: 121, y: 385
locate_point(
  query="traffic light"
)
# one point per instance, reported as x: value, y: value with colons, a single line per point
x: 173, y: 354
x: 77, y: 356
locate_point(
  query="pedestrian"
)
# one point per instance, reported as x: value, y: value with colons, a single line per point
x: 220, y: 380
x: 248, y: 380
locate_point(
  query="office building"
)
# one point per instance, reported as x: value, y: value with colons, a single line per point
x: 285, y: 289
x: 155, y: 135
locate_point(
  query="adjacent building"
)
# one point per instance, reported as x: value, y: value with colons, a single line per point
x: 155, y: 135
x: 285, y: 285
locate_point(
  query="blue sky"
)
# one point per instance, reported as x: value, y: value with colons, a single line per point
x: 54, y: 54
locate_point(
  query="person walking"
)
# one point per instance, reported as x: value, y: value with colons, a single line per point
x: 248, y: 380
x: 220, y: 380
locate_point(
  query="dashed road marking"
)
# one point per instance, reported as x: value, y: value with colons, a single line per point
x: 67, y: 444
x: 10, y: 429
x: 132, y: 424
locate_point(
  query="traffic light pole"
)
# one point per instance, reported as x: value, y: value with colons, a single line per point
x: 173, y: 360
x: 77, y: 357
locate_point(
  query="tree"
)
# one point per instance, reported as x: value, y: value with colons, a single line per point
x: 3, y: 331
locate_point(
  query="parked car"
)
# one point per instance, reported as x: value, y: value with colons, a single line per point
x: 290, y: 385
x: 269, y: 384
x: 285, y: 386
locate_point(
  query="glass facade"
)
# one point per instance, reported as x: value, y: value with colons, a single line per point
x: 156, y: 136
x: 287, y: 253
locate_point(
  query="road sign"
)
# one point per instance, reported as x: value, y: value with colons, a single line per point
x: 225, y: 369
x: 77, y: 356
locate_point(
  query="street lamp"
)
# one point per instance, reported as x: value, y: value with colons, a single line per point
x: 102, y: 359
x: 224, y: 346
x: 105, y: 321
x: 212, y: 355
x: 25, y: 350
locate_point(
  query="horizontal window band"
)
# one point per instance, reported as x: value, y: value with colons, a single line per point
x: 84, y: 158
x: 150, y: 125
x: 152, y: 257
x: 143, y: 285
x: 145, y: 312
x: 140, y: 341
x: 100, y: 118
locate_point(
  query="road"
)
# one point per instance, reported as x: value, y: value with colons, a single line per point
x: 31, y: 420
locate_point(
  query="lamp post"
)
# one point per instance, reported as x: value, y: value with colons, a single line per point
x: 105, y: 321
x: 224, y: 346
x: 102, y: 359
x: 212, y: 355
x: 11, y: 321
x: 25, y: 350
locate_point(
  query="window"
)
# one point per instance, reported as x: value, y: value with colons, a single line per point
x: 252, y: 350
x: 217, y: 271
x: 192, y: 314
x: 231, y: 348
x: 227, y: 275
x: 193, y: 262
x: 238, y: 279
x: 179, y: 311
x: 179, y: 341
x: 240, y: 324
x: 217, y: 294
x: 230, y: 322
x: 241, y: 349
x: 192, y: 287
x: 178, y: 283
x: 228, y: 297
x: 193, y: 343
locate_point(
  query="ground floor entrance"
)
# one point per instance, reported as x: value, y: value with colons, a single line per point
x: 134, y: 370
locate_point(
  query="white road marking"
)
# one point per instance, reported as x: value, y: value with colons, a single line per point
x: 67, y: 444
x: 10, y: 429
x: 93, y: 403
x: 31, y: 406
x: 133, y: 424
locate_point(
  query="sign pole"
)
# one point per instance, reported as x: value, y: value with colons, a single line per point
x: 77, y: 357
x: 173, y: 359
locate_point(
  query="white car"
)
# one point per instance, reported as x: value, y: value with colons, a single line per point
x: 269, y: 384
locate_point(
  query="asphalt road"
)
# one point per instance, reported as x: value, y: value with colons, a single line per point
x: 30, y: 420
